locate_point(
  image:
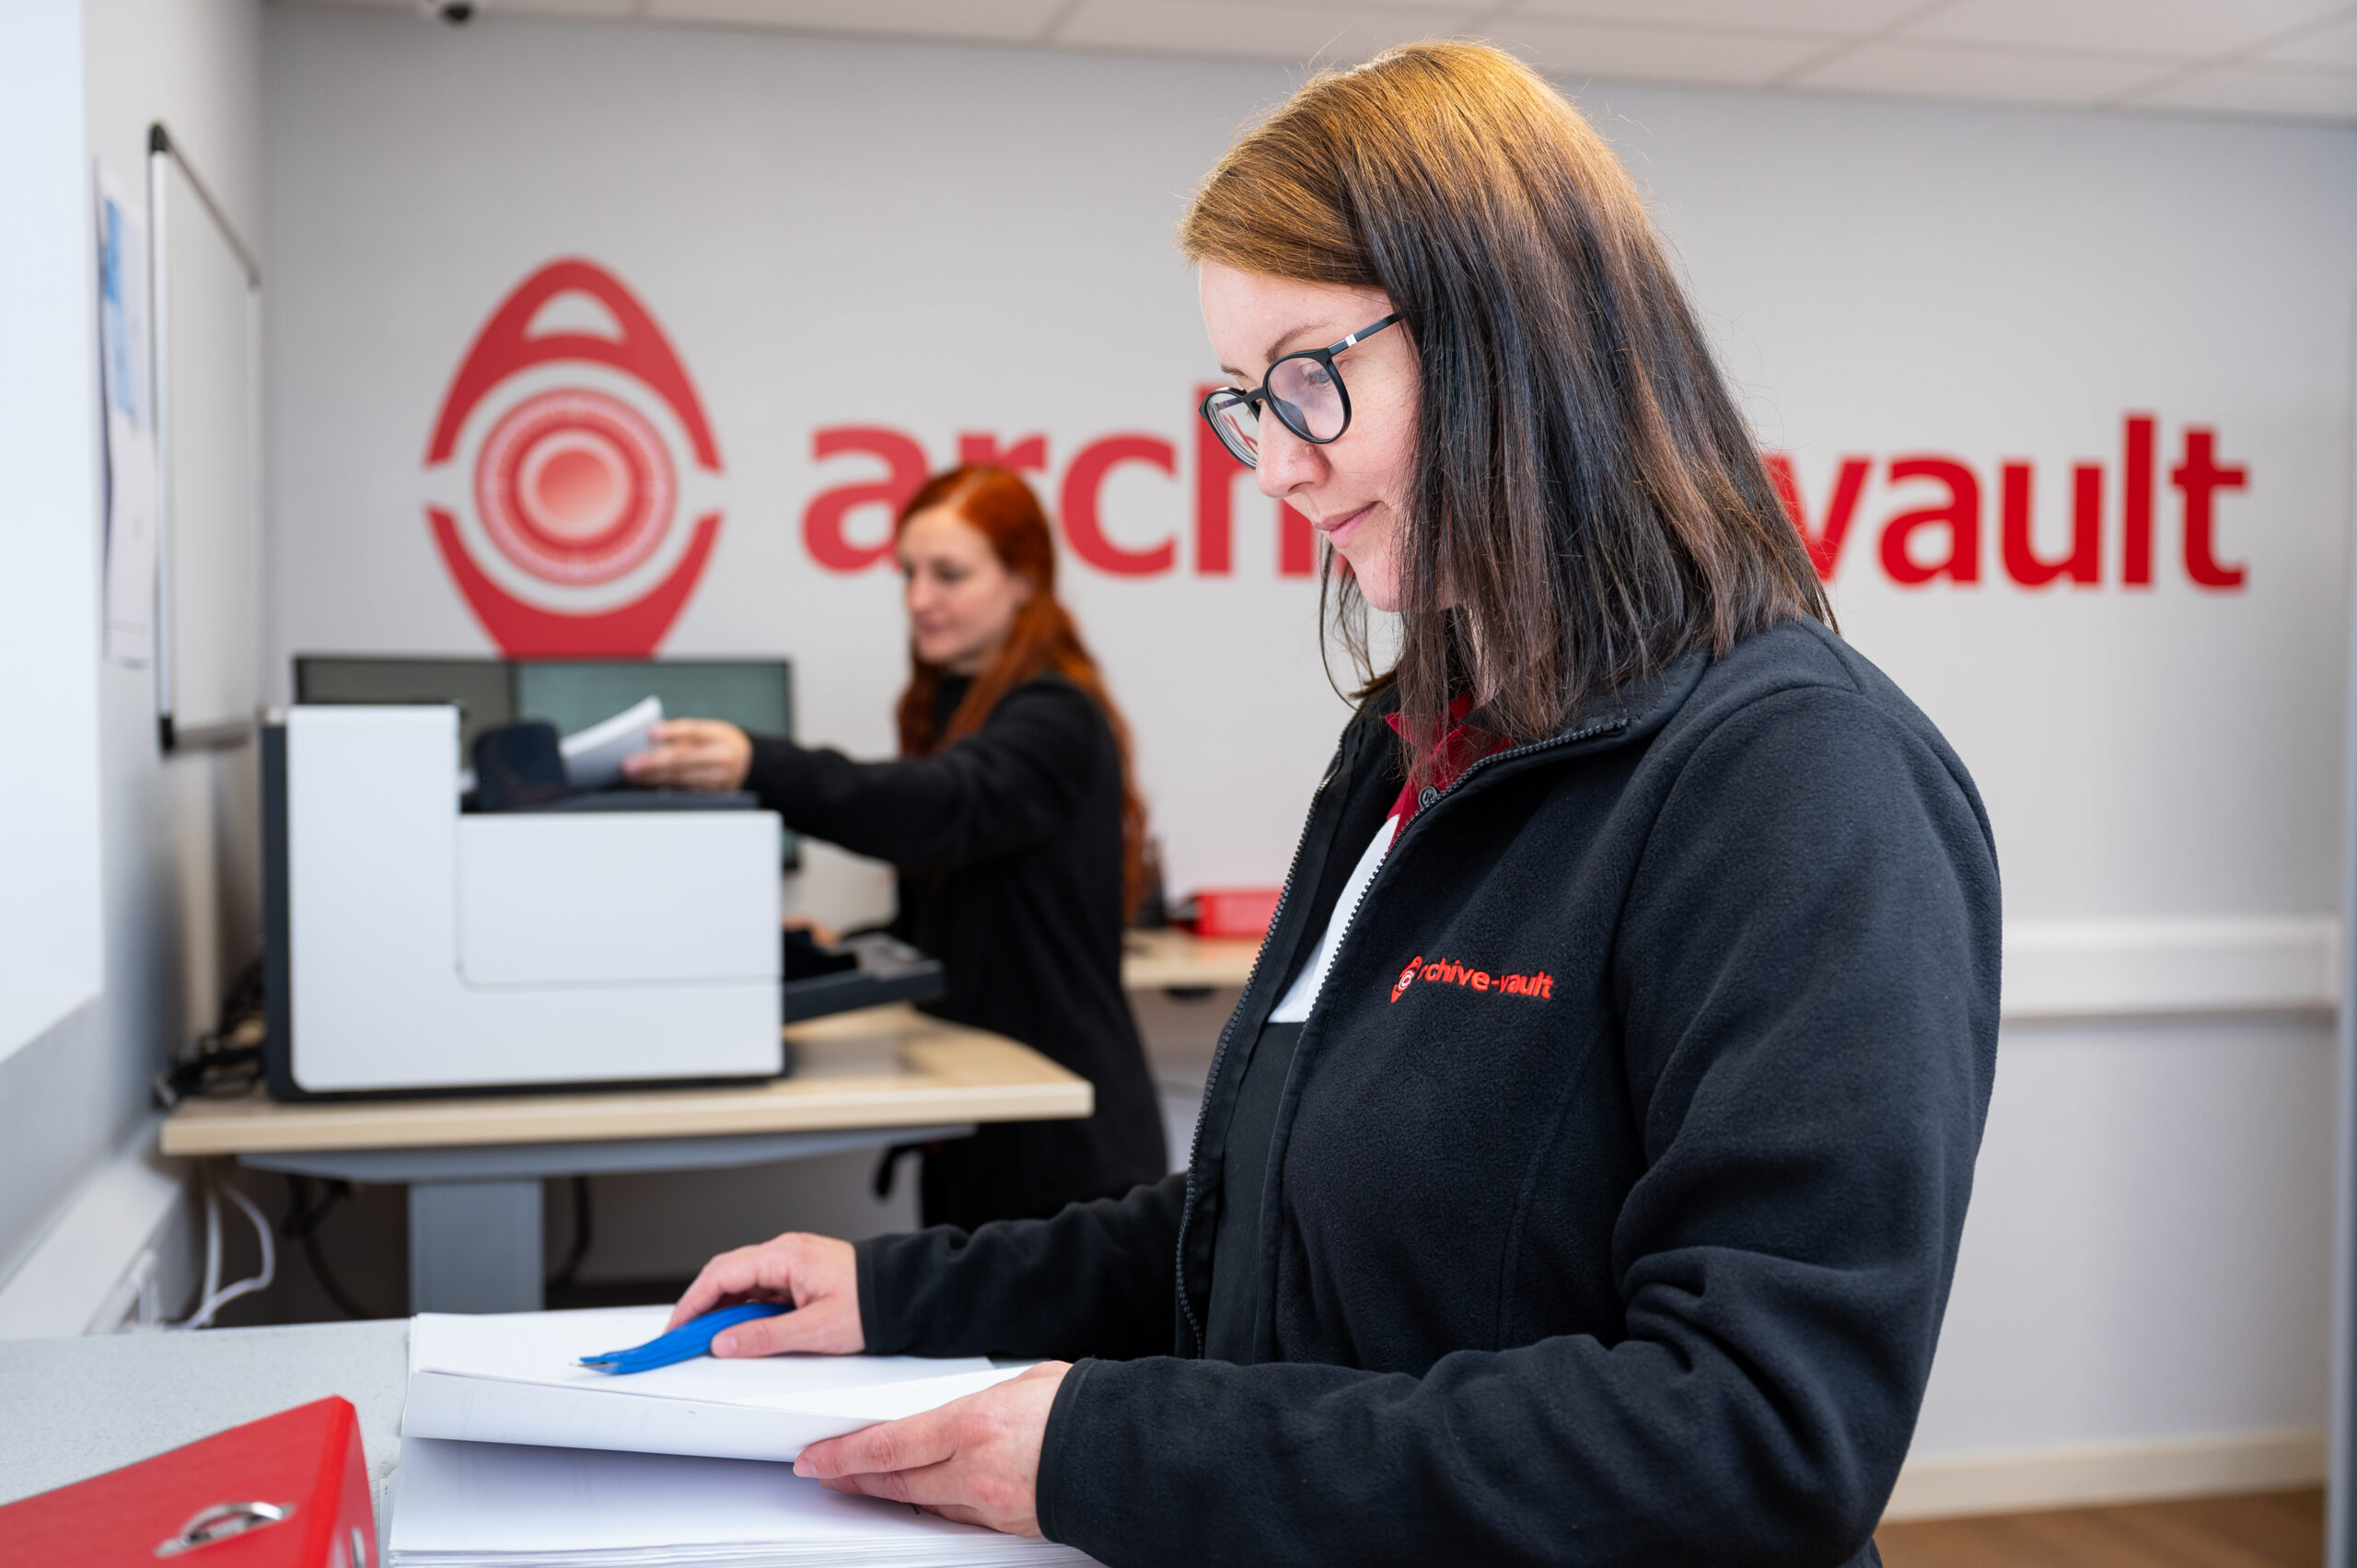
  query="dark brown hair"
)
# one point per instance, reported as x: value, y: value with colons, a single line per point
x: 1587, y: 501
x: 996, y: 503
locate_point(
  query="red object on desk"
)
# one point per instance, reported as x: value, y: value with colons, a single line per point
x: 208, y: 1505
x: 1235, y: 911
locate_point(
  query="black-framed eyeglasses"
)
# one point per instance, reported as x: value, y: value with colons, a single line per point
x: 1303, y: 390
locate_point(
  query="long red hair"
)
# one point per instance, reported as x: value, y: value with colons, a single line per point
x: 999, y: 505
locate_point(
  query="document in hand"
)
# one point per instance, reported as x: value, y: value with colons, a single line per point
x: 515, y: 1377
x: 490, y: 1506
x: 593, y: 757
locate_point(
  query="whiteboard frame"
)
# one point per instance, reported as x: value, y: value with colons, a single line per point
x: 163, y: 151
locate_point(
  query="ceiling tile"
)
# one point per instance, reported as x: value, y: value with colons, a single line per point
x: 1454, y: 7
x: 1848, y: 17
x: 1912, y: 70
x: 2332, y: 46
x: 1711, y: 56
x: 935, y: 18
x: 1243, y: 28
x: 2187, y: 29
x: 2251, y: 89
x: 578, y: 10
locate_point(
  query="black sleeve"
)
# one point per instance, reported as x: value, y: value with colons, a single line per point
x: 1807, y: 970
x: 1006, y: 789
x: 1099, y: 1279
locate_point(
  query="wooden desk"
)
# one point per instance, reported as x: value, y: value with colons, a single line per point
x: 1179, y: 961
x: 475, y: 1164
x: 879, y: 1067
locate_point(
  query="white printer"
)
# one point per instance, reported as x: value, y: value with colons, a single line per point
x: 414, y: 949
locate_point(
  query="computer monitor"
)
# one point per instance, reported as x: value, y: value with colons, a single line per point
x: 483, y: 688
x: 756, y: 695
x: 575, y: 695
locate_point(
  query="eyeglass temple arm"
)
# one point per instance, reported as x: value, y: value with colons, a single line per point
x: 1366, y: 331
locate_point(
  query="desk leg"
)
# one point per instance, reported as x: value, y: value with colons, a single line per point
x: 474, y: 1245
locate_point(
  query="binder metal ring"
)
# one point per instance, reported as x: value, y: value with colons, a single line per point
x: 221, y: 1521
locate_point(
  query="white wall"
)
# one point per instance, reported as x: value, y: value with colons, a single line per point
x: 49, y: 829
x: 177, y: 874
x: 941, y: 241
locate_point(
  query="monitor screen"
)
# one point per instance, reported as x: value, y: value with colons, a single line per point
x: 484, y: 689
x: 575, y: 695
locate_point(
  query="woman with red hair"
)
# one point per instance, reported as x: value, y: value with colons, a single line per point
x: 1016, y: 827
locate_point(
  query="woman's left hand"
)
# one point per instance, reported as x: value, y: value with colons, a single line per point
x: 975, y: 1461
x: 692, y: 754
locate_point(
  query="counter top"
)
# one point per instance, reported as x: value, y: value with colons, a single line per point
x: 71, y: 1409
x: 1175, y: 959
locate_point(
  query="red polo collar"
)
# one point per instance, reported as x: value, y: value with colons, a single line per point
x: 1463, y: 746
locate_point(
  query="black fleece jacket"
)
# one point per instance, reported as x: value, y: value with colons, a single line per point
x: 1645, y: 1267
x: 1009, y: 849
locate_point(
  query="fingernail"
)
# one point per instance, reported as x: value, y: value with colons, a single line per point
x: 725, y: 1345
x: 801, y: 1466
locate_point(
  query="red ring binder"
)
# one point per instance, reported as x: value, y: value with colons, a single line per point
x: 289, y: 1491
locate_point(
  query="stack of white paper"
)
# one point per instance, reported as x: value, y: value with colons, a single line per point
x: 593, y: 757
x: 513, y: 1455
x: 489, y: 1506
x: 515, y: 1377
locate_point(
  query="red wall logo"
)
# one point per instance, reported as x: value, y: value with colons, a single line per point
x: 571, y: 404
x: 1946, y: 541
x: 1951, y: 523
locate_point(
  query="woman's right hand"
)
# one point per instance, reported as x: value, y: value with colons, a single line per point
x: 692, y: 754
x: 816, y: 1273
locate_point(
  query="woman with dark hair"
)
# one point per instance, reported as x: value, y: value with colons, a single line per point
x: 1581, y: 1175
x: 1016, y: 827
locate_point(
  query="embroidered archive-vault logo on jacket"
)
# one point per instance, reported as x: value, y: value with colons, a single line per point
x: 1448, y: 971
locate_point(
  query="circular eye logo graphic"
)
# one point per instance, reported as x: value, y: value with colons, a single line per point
x: 1408, y: 976
x: 557, y: 454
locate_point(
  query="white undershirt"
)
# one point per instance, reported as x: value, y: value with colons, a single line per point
x: 1303, y: 993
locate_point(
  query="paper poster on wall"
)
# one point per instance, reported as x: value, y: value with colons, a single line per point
x: 126, y: 361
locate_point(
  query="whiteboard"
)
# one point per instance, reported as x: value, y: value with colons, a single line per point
x: 209, y: 601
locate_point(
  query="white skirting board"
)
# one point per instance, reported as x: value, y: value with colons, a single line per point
x: 130, y: 1224
x: 2087, y: 1475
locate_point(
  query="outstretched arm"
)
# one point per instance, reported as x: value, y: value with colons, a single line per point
x: 1009, y: 786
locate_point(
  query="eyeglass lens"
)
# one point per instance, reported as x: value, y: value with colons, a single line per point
x: 1304, y: 393
x: 1307, y: 398
x: 1233, y: 421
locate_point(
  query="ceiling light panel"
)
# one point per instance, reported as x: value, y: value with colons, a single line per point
x: 1986, y: 75
x: 1846, y: 17
x: 949, y: 20
x: 575, y: 10
x: 1573, y: 51
x: 1323, y: 34
x: 2185, y: 29
x: 2334, y: 47
x: 2245, y: 89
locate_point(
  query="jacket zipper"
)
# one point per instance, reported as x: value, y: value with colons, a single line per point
x: 1430, y: 799
x: 1219, y: 1052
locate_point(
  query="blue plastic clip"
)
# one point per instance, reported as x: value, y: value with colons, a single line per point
x: 691, y: 1339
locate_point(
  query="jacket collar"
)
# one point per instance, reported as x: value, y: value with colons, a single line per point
x: 1605, y: 718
